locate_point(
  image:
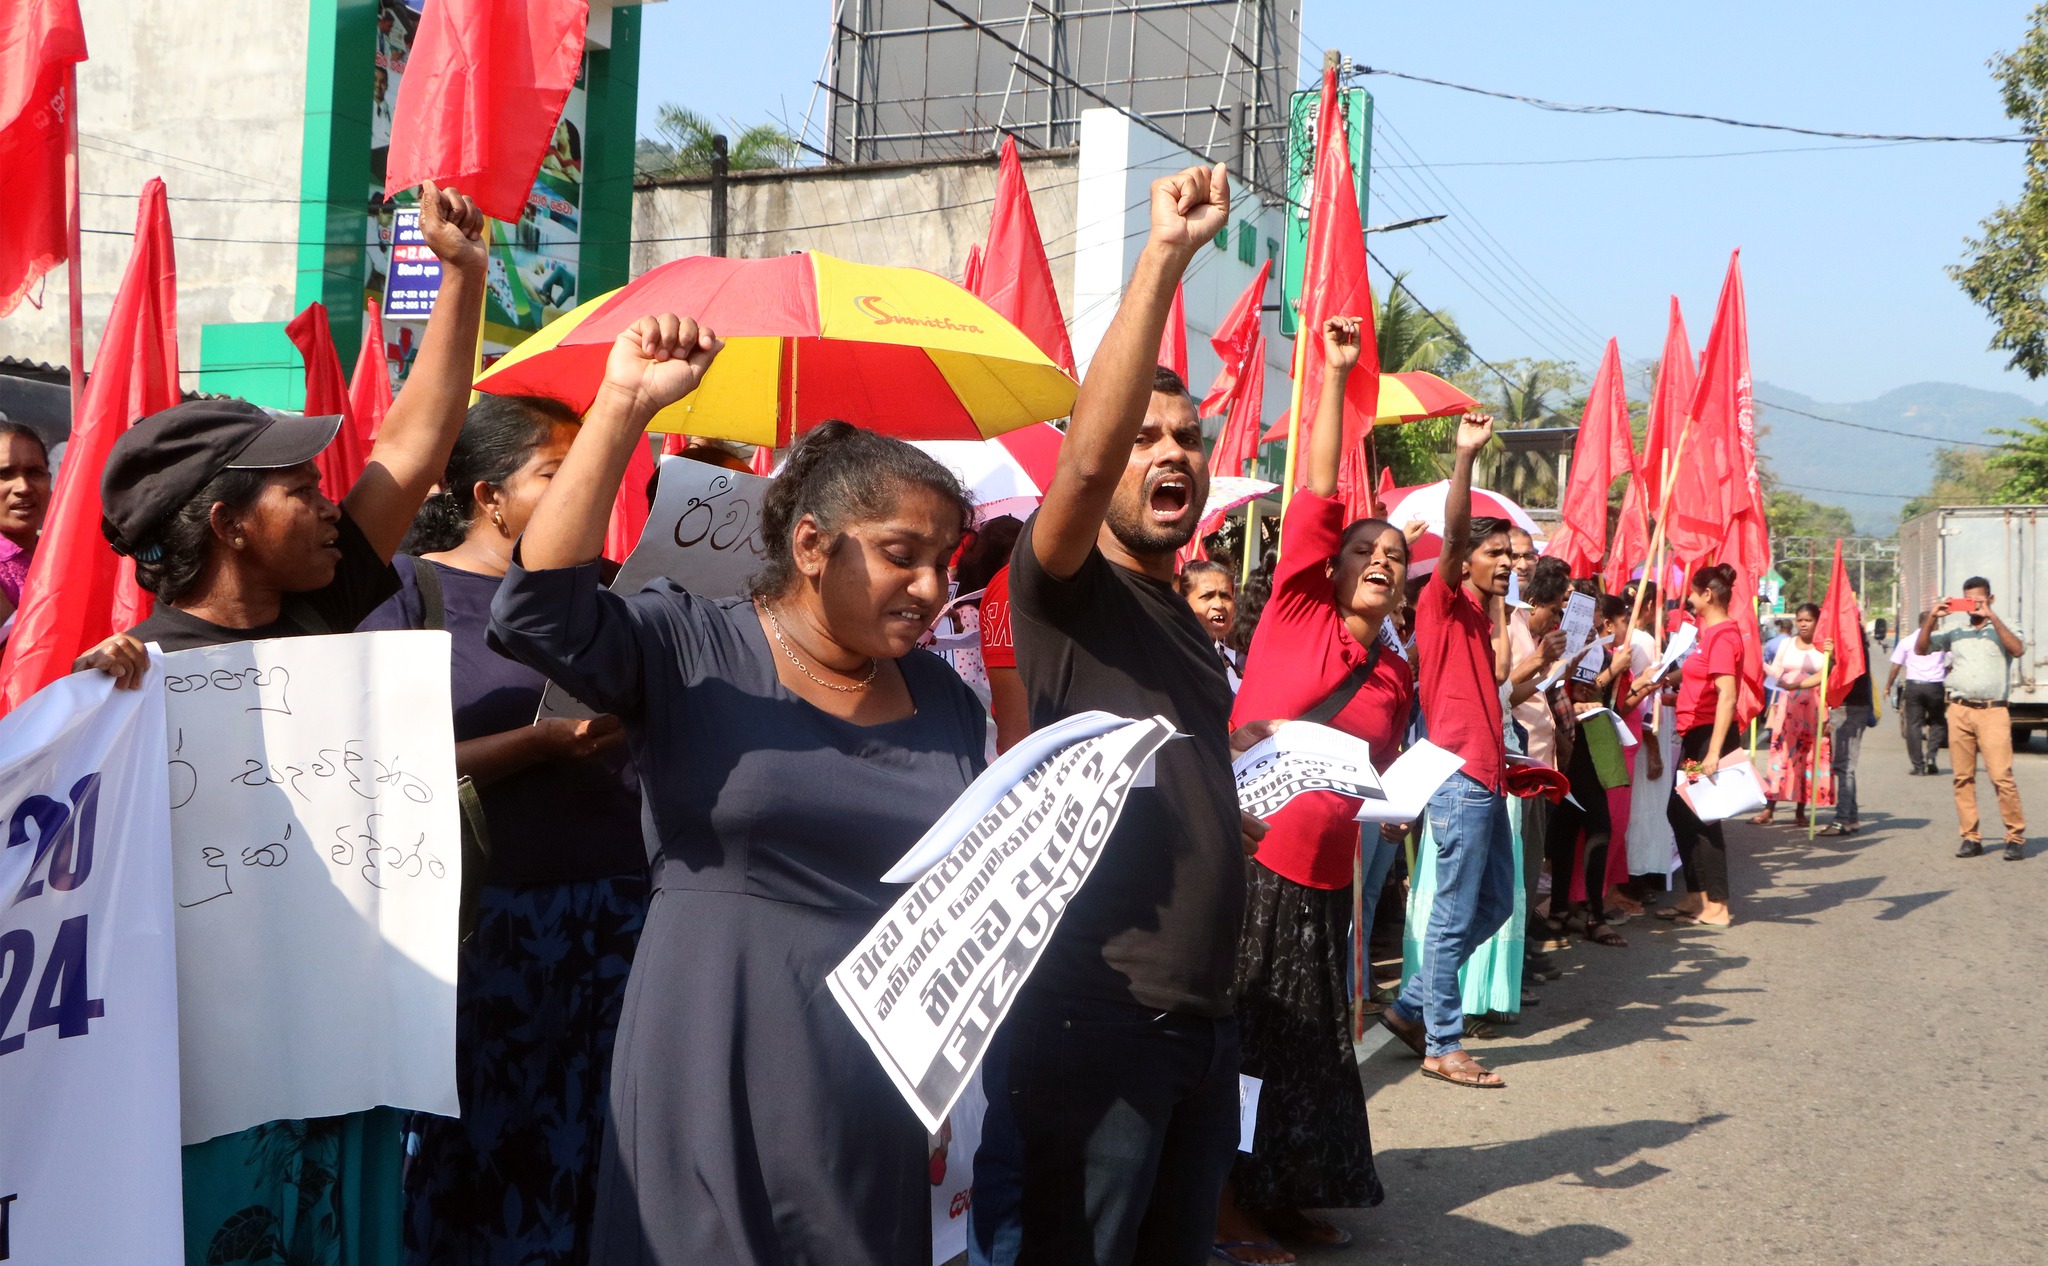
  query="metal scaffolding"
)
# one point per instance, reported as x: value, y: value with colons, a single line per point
x: 910, y: 79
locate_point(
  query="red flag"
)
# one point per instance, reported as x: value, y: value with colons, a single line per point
x: 1631, y: 546
x: 1840, y: 633
x: 369, y: 391
x: 672, y: 444
x: 763, y: 463
x: 1386, y: 486
x: 79, y: 591
x: 1173, y: 340
x: 40, y: 43
x: 1711, y: 488
x: 482, y: 97
x: 1239, y: 391
x: 1676, y: 380
x: 1016, y: 279
x: 1581, y: 537
x: 1334, y: 283
x: 631, y: 506
x: 326, y: 395
x: 970, y: 272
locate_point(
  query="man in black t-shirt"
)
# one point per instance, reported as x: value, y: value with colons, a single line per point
x: 1119, y: 1061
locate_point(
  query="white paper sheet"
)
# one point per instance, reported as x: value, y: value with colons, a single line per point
x: 1303, y: 756
x: 1729, y: 792
x: 1680, y: 645
x: 1577, y: 621
x: 89, y: 1162
x: 1248, y: 1088
x: 1409, y: 783
x: 317, y: 865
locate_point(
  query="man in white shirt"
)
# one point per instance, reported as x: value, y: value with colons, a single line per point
x: 1922, y: 703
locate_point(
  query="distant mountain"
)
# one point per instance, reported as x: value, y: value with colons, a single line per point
x: 1853, y: 464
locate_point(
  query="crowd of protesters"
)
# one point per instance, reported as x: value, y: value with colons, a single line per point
x: 668, y: 1079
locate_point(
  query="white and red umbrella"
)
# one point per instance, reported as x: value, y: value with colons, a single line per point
x: 1226, y: 493
x: 1006, y: 475
x: 1426, y: 503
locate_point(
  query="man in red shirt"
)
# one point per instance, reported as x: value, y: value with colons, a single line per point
x: 1460, y: 648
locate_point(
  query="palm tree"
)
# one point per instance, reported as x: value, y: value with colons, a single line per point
x: 1411, y: 339
x: 681, y: 147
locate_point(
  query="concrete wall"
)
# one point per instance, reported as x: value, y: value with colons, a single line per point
x: 914, y: 214
x: 211, y: 99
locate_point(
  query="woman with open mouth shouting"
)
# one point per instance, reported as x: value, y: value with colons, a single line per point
x: 1326, y: 650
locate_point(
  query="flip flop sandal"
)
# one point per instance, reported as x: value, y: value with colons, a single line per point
x: 1408, y: 1035
x: 1312, y: 1231
x: 1670, y: 914
x: 1224, y: 1249
x: 1465, y: 1072
x: 1606, y: 937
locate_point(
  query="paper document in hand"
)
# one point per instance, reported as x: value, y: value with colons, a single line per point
x: 1727, y: 793
x: 1577, y: 621
x: 1683, y: 638
x: 1409, y: 783
x: 928, y: 985
x: 1303, y: 756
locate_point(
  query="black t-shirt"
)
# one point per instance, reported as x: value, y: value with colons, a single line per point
x: 1859, y: 690
x: 362, y: 579
x: 555, y: 822
x: 1157, y: 923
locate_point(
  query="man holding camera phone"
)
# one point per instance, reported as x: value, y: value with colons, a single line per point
x: 1980, y: 647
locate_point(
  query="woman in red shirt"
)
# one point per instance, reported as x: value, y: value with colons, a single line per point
x: 1706, y: 725
x: 1326, y: 631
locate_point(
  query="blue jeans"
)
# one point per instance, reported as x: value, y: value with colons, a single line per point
x: 1379, y: 854
x: 995, y: 1226
x: 1124, y: 1120
x: 1475, y: 893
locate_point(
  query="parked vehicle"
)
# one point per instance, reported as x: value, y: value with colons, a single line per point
x: 1942, y: 548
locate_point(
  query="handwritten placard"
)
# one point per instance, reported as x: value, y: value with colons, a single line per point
x: 704, y: 533
x: 316, y: 865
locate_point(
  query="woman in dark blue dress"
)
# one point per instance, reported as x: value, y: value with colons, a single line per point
x: 791, y: 748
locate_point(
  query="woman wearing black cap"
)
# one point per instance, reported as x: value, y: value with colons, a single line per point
x: 219, y: 503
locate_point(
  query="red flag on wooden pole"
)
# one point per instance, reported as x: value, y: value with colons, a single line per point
x: 369, y: 389
x: 1840, y: 633
x: 79, y: 591
x: 1672, y: 396
x: 1334, y: 283
x: 1601, y: 452
x: 632, y: 504
x: 1239, y: 391
x: 1173, y: 340
x: 482, y: 97
x: 326, y: 396
x: 41, y: 42
x: 1016, y: 279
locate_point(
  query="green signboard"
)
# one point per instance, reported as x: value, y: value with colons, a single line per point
x: 1301, y: 163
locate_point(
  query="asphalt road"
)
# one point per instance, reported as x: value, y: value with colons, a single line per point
x: 1855, y: 1073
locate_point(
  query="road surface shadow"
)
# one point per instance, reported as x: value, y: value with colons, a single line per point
x: 1426, y: 1186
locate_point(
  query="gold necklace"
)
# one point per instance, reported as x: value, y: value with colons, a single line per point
x: 874, y: 665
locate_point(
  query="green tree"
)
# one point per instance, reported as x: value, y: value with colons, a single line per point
x: 1411, y: 339
x: 1815, y: 525
x: 1536, y: 393
x: 2006, y: 270
x: 2023, y: 463
x: 1962, y: 477
x: 681, y: 147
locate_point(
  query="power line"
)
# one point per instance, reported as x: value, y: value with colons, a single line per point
x: 1846, y: 492
x: 1881, y: 430
x: 1450, y: 331
x: 1563, y: 107
x: 1651, y: 158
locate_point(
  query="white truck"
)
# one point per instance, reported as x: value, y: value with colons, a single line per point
x: 1942, y: 548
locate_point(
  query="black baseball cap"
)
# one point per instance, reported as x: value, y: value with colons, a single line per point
x: 163, y: 461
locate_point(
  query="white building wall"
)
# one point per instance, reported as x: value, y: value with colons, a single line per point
x: 1119, y: 161
x: 211, y: 98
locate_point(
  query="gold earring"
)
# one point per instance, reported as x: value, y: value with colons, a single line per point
x: 238, y: 542
x: 498, y: 519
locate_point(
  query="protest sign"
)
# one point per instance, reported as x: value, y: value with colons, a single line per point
x: 316, y: 863
x: 927, y: 986
x: 703, y: 532
x: 1303, y: 756
x: 1577, y: 621
x: 89, y: 1167
x: 414, y: 281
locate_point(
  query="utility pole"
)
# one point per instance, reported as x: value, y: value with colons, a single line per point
x: 720, y: 166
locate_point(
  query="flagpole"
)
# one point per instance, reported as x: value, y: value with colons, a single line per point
x: 1827, y: 663
x: 1294, y: 409
x: 74, y: 269
x: 483, y: 307
x: 1251, y: 535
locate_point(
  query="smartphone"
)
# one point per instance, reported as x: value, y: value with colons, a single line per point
x: 1962, y: 606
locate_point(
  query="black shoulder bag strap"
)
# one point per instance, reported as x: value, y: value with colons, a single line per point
x: 476, y: 832
x: 1347, y: 689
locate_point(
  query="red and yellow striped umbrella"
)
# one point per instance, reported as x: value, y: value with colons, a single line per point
x: 809, y: 337
x: 1412, y: 396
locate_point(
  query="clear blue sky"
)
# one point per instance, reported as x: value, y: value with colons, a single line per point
x: 1843, y: 248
